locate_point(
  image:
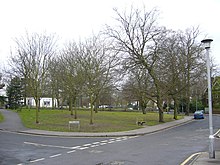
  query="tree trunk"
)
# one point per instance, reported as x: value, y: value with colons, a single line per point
x: 188, y: 89
x: 52, y: 102
x: 37, y: 110
x: 75, y: 108
x: 159, y: 105
x: 91, y: 109
x: 37, y: 116
x: 25, y: 101
x: 175, y: 108
x: 142, y: 106
x: 58, y: 100
x: 161, y: 119
x: 187, y: 104
x: 71, y: 105
x: 96, y: 105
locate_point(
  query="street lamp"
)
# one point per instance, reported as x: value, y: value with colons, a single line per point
x: 206, y: 44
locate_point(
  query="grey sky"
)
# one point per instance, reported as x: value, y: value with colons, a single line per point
x: 74, y: 19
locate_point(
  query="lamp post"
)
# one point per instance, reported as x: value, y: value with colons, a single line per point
x: 207, y: 43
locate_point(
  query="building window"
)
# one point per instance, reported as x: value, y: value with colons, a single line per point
x: 29, y: 102
x: 46, y: 103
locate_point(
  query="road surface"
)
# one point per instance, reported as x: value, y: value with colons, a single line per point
x: 171, y: 147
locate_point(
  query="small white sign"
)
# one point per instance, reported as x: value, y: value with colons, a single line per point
x: 74, y: 122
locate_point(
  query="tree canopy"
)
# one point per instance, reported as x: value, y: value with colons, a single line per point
x: 137, y: 57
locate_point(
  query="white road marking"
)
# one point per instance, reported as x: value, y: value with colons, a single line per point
x: 45, y: 145
x: 71, y: 151
x: 75, y: 147
x: 92, y: 146
x: 95, y: 151
x: 111, y: 142
x: 53, y: 156
x: 102, y: 144
x: 96, y: 143
x: 83, y: 148
x: 131, y: 137
x: 216, y: 134
x: 37, y: 160
x: 118, y: 140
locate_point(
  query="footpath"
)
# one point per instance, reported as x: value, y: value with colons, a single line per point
x: 12, y: 123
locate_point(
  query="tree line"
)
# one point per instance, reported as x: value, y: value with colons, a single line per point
x: 143, y: 60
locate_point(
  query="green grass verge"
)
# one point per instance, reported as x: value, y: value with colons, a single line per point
x: 104, y: 121
x: 1, y: 118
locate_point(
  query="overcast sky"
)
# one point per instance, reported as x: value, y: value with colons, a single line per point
x: 75, y: 19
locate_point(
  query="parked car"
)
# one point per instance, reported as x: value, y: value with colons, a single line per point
x: 199, y: 114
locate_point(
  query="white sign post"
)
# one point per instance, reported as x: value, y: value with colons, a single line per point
x: 74, y: 123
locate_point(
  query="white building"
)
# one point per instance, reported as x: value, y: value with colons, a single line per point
x: 3, y: 91
x: 44, y: 102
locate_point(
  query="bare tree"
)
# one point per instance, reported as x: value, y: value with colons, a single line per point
x: 192, y: 60
x: 2, y: 98
x: 182, y: 64
x: 138, y: 87
x: 31, y: 61
x: 54, y: 81
x: 98, y: 65
x: 172, y: 66
x: 137, y: 36
x: 71, y: 74
x: 1, y: 84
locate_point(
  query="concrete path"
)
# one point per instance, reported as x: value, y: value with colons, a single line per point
x: 11, y: 122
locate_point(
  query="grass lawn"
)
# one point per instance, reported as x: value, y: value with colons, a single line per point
x: 1, y: 118
x: 104, y: 121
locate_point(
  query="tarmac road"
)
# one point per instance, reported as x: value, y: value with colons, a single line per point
x: 169, y: 146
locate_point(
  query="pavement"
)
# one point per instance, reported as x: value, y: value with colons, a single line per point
x: 12, y: 123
